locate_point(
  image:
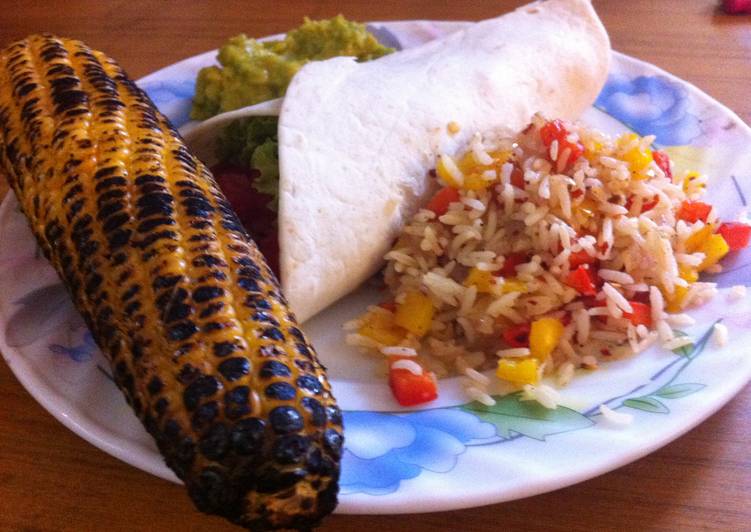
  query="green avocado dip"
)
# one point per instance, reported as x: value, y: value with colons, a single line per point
x: 252, y: 71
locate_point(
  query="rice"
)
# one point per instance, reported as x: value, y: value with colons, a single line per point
x: 720, y: 334
x: 398, y: 351
x: 620, y: 419
x: 410, y: 365
x: 531, y: 225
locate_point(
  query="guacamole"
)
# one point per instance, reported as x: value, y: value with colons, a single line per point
x: 253, y: 71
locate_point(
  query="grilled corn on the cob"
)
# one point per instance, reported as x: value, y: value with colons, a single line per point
x: 200, y: 340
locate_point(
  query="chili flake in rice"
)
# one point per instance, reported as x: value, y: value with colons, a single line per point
x: 558, y: 249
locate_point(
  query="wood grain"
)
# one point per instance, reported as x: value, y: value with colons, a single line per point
x: 51, y: 480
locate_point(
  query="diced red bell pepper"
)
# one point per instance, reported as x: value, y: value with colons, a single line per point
x: 736, y: 234
x: 555, y: 130
x: 410, y: 389
x: 663, y: 162
x: 641, y: 315
x: 517, y: 335
x: 439, y: 204
x: 510, y: 263
x: 693, y: 211
x: 577, y: 258
x: 582, y: 280
x: 645, y: 206
x: 517, y: 177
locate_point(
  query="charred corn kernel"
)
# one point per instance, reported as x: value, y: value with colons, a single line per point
x: 380, y: 326
x: 484, y: 281
x: 175, y: 293
x: 415, y: 313
x: 523, y: 371
x: 714, y: 248
x: 512, y: 284
x: 698, y: 238
x: 449, y: 172
x: 544, y: 335
x: 675, y: 302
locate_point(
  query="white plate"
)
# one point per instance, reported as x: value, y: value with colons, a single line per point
x: 449, y: 455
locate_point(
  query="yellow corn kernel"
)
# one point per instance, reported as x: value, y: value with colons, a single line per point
x: 448, y: 171
x: 484, y: 281
x: 513, y: 284
x: 380, y: 327
x: 544, y: 336
x: 714, y: 248
x: 698, y: 238
x: 638, y: 160
x: 523, y: 371
x: 415, y: 313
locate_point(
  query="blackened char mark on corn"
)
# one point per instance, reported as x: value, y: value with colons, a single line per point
x: 175, y: 293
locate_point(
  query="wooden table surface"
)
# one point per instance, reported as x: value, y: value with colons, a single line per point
x: 50, y: 479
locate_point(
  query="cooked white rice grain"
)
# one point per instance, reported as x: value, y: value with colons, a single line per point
x: 720, y: 334
x: 543, y: 394
x: 513, y: 352
x: 680, y: 320
x: 616, y: 297
x: 399, y: 351
x: 565, y: 373
x: 450, y: 165
x: 737, y: 292
x: 478, y: 395
x: 410, y: 365
x: 620, y: 419
x: 615, y: 276
x: 476, y: 376
x: 677, y: 342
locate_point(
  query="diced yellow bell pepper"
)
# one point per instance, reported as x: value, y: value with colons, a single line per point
x: 442, y: 169
x: 522, y: 371
x: 698, y: 238
x: 467, y: 163
x: 513, y: 284
x: 474, y: 181
x: 544, y: 336
x: 484, y: 281
x: 689, y: 178
x: 380, y: 327
x: 674, y: 302
x: 714, y: 248
x: 592, y: 149
x: 638, y: 160
x: 415, y: 313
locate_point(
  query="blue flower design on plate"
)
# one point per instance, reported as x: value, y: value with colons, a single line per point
x: 173, y: 98
x: 82, y: 352
x: 651, y: 105
x: 382, y: 449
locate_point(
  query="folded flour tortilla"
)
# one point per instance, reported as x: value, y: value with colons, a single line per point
x: 357, y: 140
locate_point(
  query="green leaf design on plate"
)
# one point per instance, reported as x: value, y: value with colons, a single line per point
x: 512, y: 416
x: 647, y: 404
x: 686, y: 350
x: 676, y: 391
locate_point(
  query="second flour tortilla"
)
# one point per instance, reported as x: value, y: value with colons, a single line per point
x: 357, y: 140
